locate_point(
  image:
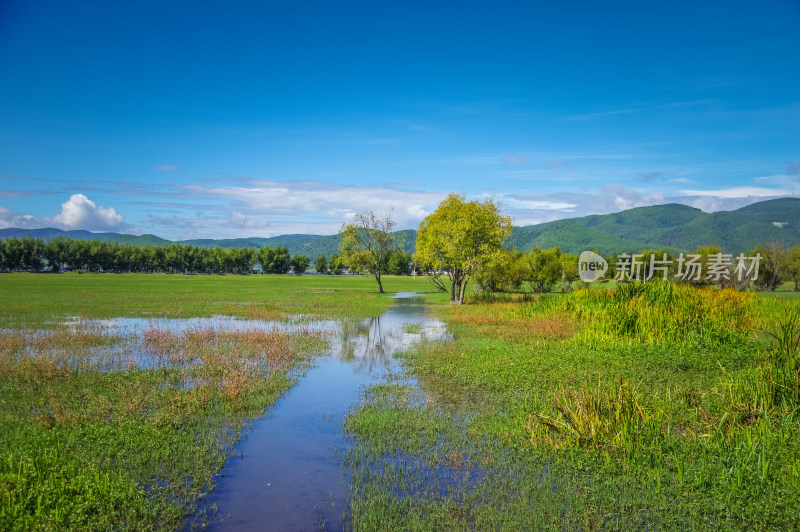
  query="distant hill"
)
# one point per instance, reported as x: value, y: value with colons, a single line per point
x: 672, y: 226
x: 51, y: 233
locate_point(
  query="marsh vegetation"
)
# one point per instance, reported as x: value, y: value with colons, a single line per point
x: 121, y: 397
x: 647, y: 406
x: 634, y: 407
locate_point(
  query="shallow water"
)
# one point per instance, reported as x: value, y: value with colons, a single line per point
x: 288, y: 476
x: 132, y: 351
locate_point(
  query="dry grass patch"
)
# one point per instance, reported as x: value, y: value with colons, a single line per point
x: 499, y: 321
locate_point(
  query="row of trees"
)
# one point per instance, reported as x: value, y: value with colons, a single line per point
x: 776, y: 265
x: 462, y: 241
x: 33, y: 254
x: 544, y: 270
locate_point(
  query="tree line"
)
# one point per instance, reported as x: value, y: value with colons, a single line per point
x: 545, y: 270
x: 67, y: 254
x: 460, y: 241
x: 463, y: 240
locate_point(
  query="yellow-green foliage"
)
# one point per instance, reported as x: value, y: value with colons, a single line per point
x: 775, y: 383
x: 663, y: 312
x: 610, y: 416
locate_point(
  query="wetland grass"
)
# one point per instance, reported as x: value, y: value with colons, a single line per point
x: 102, y: 430
x: 36, y: 300
x: 86, y: 445
x: 661, y: 408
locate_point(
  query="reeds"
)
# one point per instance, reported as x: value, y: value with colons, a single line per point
x: 659, y: 312
x: 607, y: 416
x: 783, y: 362
x: 774, y: 385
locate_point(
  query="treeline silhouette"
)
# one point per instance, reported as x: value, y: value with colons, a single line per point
x: 60, y: 254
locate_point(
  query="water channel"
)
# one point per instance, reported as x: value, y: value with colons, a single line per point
x: 288, y: 475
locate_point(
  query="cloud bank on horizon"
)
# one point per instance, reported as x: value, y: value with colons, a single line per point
x: 291, y: 118
x: 237, y: 211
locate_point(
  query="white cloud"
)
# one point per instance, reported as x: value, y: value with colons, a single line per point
x: 9, y: 218
x: 529, y: 209
x: 736, y: 192
x: 649, y: 176
x: 310, y: 200
x: 79, y: 212
x: 552, y: 164
x: 250, y: 207
x: 529, y: 202
x: 241, y: 221
x: 247, y: 207
x: 604, y: 114
x: 167, y: 168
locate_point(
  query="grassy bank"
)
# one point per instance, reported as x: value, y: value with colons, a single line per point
x: 103, y: 430
x: 639, y: 408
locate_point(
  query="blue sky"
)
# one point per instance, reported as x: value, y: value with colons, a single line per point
x: 218, y: 120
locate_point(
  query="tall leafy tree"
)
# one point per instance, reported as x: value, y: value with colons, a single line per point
x: 460, y: 237
x: 299, y: 264
x: 321, y: 264
x: 335, y: 264
x: 368, y: 242
x: 13, y: 253
x: 399, y: 263
x: 793, y: 267
x: 503, y: 272
x: 774, y: 267
x: 545, y: 269
x: 274, y: 260
x: 55, y: 251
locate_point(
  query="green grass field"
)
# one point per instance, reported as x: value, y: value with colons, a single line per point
x: 656, y: 409
x: 36, y: 299
x: 89, y: 442
x: 634, y: 408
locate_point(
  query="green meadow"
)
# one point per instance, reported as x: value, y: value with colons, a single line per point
x: 91, y: 440
x: 638, y: 408
x: 621, y: 407
x: 37, y: 299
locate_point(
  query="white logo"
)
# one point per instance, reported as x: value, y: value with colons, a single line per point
x: 591, y: 266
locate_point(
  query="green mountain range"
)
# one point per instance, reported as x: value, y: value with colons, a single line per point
x: 672, y: 226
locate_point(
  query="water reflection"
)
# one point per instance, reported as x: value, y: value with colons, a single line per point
x: 369, y: 343
x: 288, y: 476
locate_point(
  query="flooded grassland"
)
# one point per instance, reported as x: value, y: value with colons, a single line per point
x: 647, y: 407
x: 125, y: 419
x: 313, y: 403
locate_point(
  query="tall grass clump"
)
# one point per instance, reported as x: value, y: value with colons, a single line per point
x: 610, y: 417
x: 783, y: 363
x: 774, y: 385
x: 660, y: 311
